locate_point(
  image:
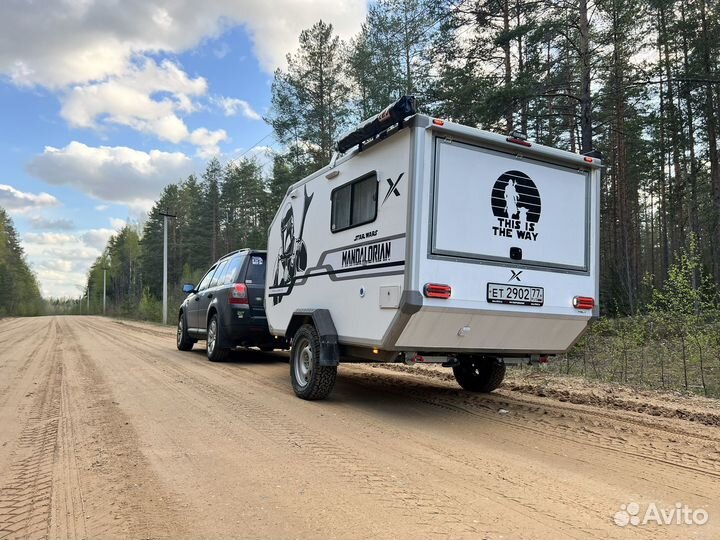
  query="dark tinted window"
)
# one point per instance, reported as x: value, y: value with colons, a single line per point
x: 219, y: 273
x: 233, y: 267
x: 206, y: 279
x: 354, y: 203
x: 341, y: 208
x: 256, y: 269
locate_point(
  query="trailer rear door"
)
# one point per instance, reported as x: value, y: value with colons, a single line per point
x: 494, y: 206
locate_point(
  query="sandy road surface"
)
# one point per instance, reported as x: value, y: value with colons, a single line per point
x: 107, y: 431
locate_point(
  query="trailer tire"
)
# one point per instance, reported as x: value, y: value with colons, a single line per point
x: 480, y: 373
x: 184, y: 341
x: 309, y: 379
x: 215, y: 353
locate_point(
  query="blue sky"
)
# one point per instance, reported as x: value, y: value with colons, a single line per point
x: 102, y: 104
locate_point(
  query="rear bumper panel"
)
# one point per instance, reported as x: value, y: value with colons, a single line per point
x: 484, y: 331
x: 242, y: 326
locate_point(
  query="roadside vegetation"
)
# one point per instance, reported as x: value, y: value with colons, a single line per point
x: 634, y: 79
x: 672, y: 343
x: 20, y: 292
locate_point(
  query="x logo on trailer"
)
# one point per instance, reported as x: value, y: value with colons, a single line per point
x: 393, y: 187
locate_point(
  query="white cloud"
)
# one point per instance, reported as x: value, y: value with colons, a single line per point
x: 99, y: 55
x: 222, y: 51
x: 97, y: 238
x: 101, y: 207
x: 40, y: 223
x: 117, y: 223
x: 57, y: 43
x: 111, y: 173
x: 61, y: 261
x: 207, y: 141
x: 18, y: 202
x: 46, y: 238
x: 232, y: 106
x: 146, y: 97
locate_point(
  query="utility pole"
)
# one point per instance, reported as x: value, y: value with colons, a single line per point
x: 165, y: 215
x: 88, y: 300
x: 104, y: 284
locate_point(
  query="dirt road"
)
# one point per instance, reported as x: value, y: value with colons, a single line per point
x: 107, y: 431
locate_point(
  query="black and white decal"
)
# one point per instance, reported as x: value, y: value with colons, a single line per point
x: 381, y: 257
x: 515, y: 203
x: 293, y: 254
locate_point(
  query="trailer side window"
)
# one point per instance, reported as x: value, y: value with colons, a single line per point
x: 354, y: 203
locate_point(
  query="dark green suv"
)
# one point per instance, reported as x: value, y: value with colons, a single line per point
x: 226, y: 309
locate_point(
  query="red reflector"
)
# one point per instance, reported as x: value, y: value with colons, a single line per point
x: 436, y: 290
x: 238, y: 294
x: 438, y: 122
x: 583, y: 302
x: 518, y: 141
x: 588, y: 159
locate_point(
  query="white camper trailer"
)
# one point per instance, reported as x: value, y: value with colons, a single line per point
x: 430, y: 241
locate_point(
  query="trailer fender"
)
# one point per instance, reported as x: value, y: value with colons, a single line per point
x: 322, y: 320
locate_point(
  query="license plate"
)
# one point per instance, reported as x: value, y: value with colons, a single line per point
x: 520, y: 295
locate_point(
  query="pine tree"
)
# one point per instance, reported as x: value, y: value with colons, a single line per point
x: 309, y: 104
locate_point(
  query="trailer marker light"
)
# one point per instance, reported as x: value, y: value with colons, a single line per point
x: 583, y: 302
x: 238, y: 294
x: 518, y: 141
x: 588, y: 159
x: 437, y: 290
x: 438, y: 122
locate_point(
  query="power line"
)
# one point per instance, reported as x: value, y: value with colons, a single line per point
x: 254, y: 146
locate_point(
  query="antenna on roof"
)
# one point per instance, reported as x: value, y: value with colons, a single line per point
x: 373, y: 126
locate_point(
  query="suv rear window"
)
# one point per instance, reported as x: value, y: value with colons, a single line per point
x: 256, y: 269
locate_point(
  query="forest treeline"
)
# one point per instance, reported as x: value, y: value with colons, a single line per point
x: 20, y: 291
x: 638, y: 80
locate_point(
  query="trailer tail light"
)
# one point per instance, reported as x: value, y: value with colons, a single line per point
x: 438, y: 122
x: 521, y: 142
x: 238, y: 294
x: 583, y: 302
x: 436, y: 290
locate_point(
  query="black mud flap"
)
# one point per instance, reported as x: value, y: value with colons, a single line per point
x: 329, y: 348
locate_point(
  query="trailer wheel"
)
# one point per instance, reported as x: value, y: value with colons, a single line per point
x: 480, y: 373
x: 214, y: 352
x: 184, y: 341
x: 309, y: 379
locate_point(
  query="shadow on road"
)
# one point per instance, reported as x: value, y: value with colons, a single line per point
x: 245, y: 356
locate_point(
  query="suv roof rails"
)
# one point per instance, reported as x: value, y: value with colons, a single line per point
x: 230, y: 254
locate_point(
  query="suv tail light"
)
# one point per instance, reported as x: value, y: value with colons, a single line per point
x: 238, y: 294
x: 583, y: 302
x: 437, y: 290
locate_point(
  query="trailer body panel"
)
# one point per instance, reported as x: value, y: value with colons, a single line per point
x: 442, y: 196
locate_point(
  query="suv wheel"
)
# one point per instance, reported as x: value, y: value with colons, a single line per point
x: 214, y: 352
x: 184, y: 341
x: 479, y: 373
x: 309, y: 379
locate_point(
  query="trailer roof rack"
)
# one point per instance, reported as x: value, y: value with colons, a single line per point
x: 374, y: 126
